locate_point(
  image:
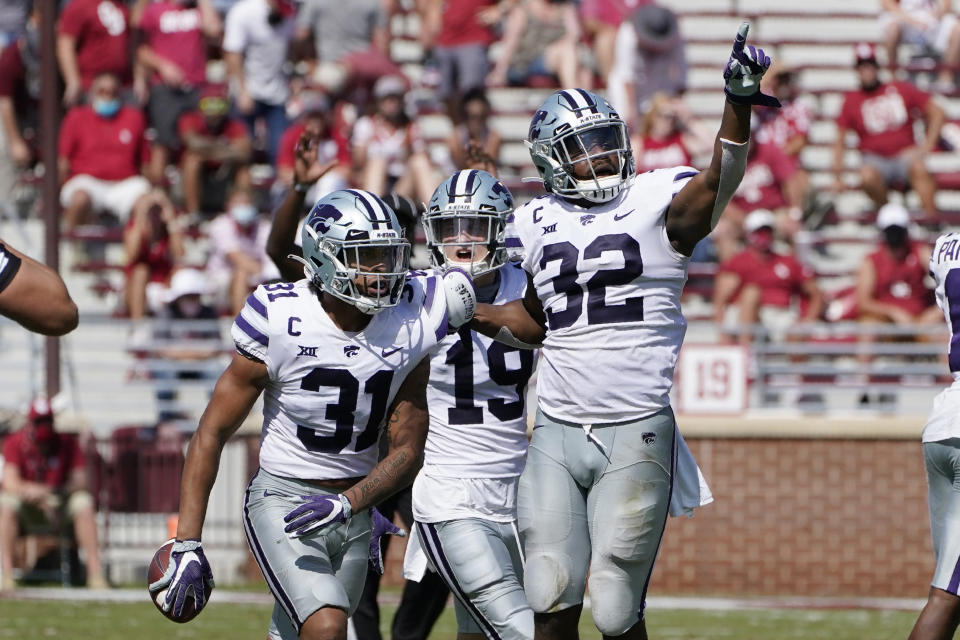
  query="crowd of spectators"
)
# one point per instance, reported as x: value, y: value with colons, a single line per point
x: 182, y: 118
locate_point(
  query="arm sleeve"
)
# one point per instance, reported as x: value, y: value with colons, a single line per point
x: 9, y: 266
x: 11, y: 70
x: 71, y: 20
x: 66, y: 141
x: 251, y: 328
x: 234, y: 35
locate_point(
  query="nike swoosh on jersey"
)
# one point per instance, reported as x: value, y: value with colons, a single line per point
x: 386, y: 353
x: 617, y: 216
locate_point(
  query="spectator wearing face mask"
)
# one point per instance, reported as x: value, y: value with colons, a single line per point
x: 891, y: 283
x: 389, y: 152
x: 45, y: 480
x: 102, y: 147
x: 238, y: 260
x: 216, y: 152
x: 765, y: 286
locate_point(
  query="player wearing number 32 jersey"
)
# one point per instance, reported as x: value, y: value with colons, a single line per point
x: 941, y: 453
x: 335, y: 356
x: 606, y: 253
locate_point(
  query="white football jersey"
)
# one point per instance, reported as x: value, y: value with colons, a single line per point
x: 329, y: 391
x: 610, y: 284
x: 476, y: 395
x: 944, y: 421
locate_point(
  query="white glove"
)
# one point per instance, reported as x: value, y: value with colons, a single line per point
x: 461, y: 297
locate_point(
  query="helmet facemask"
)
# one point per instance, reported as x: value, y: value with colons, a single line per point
x: 467, y: 239
x: 593, y: 162
x: 368, y: 274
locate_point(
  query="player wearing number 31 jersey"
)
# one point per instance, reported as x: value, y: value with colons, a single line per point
x: 606, y: 253
x: 941, y: 453
x: 335, y: 356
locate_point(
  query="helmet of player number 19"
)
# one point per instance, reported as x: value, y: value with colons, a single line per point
x: 465, y: 222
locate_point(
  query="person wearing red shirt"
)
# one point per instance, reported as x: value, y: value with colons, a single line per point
x: 19, y: 103
x: 314, y: 127
x: 174, y: 50
x: 669, y: 135
x: 101, y: 148
x: 767, y: 284
x: 93, y: 38
x: 891, y: 282
x: 460, y: 33
x: 216, y: 152
x: 44, y: 478
x: 882, y: 116
x: 153, y: 242
x: 783, y: 133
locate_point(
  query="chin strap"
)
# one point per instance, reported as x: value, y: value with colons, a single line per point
x: 733, y: 164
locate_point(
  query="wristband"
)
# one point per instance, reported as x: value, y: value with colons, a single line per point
x: 301, y: 187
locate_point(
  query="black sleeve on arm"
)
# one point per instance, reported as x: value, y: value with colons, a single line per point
x: 9, y: 266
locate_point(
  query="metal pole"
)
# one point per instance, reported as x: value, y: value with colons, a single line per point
x: 49, y: 130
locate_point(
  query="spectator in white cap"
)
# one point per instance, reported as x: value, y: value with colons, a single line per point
x: 186, y: 340
x: 771, y: 288
x: 389, y: 153
x: 891, y: 283
x: 45, y: 482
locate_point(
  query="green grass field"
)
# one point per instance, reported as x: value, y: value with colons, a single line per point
x: 131, y: 621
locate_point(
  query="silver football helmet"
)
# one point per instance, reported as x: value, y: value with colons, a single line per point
x: 580, y: 146
x: 465, y: 222
x: 354, y: 249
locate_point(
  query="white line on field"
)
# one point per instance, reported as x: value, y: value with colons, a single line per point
x: 653, y: 603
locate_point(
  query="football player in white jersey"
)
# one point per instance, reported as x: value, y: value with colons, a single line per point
x: 464, y: 498
x: 941, y: 453
x: 606, y: 252
x: 334, y: 355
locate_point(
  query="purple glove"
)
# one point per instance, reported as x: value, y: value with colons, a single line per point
x: 317, y: 512
x: 744, y: 70
x: 380, y: 527
x: 189, y: 576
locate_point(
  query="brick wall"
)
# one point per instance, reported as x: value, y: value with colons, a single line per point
x: 800, y: 517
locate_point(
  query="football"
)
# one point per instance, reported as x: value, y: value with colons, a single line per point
x: 158, y: 566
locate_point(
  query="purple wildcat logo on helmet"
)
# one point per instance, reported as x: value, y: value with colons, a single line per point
x: 322, y: 217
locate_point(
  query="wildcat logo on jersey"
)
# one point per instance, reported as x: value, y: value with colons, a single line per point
x: 351, y: 350
x: 310, y: 352
x: 649, y: 437
x: 587, y: 219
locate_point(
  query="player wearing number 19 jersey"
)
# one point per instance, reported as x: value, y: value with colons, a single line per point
x: 941, y: 452
x: 606, y: 253
x: 464, y: 498
x: 333, y: 355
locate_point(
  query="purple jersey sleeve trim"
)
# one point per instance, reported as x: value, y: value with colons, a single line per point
x: 256, y: 305
x: 249, y: 329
